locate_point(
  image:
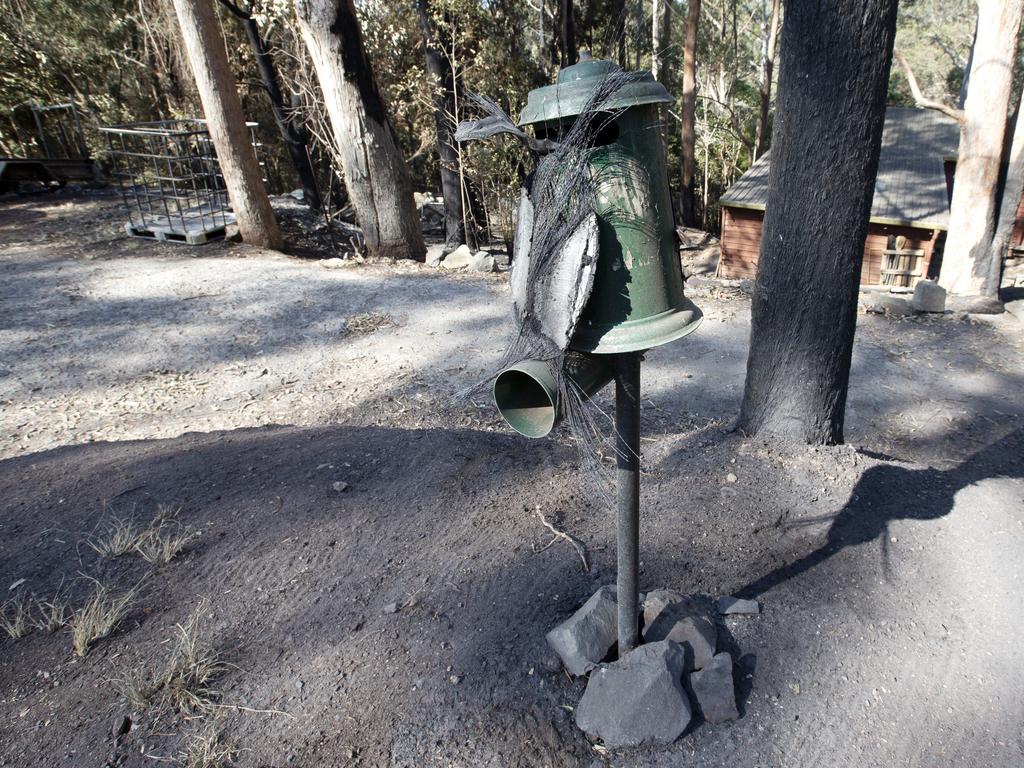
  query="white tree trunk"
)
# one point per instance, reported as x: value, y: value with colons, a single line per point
x: 204, y: 45
x: 966, y: 261
x: 1013, y: 188
x: 657, y: 11
x: 375, y: 172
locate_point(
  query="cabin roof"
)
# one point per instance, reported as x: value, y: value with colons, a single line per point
x: 910, y: 188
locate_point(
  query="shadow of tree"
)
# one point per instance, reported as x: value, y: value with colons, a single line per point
x: 889, y: 492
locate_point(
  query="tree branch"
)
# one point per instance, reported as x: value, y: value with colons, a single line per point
x: 243, y: 15
x: 919, y: 98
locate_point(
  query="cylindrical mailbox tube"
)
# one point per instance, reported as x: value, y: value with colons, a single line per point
x: 526, y: 394
x: 627, y: 444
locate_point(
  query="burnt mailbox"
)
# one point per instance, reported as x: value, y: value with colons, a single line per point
x: 608, y: 284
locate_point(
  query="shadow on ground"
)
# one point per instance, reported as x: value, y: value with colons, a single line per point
x: 437, y: 522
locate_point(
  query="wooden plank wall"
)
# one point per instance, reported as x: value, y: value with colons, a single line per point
x: 741, y: 243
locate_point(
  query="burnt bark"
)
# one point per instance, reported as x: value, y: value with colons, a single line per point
x: 444, y: 115
x: 1012, y: 189
x: 293, y: 133
x: 204, y: 44
x: 376, y: 174
x: 567, y: 33
x: 617, y: 11
x: 687, y: 119
x: 767, y: 71
x: 826, y: 141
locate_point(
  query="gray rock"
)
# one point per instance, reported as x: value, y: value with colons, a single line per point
x: 669, y: 615
x: 584, y: 639
x: 482, y: 261
x: 389, y: 608
x: 736, y: 606
x: 435, y: 254
x: 459, y: 258
x: 638, y: 699
x: 714, y: 689
x: 340, y: 486
x: 929, y: 296
x: 892, y: 304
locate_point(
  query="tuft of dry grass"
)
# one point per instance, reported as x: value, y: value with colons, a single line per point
x: 15, y: 617
x: 100, y: 615
x: 157, y: 543
x: 165, y: 537
x: 117, y: 537
x: 193, y: 666
x: 205, y: 749
x: 367, y: 322
x: 184, y: 685
x: 52, y: 615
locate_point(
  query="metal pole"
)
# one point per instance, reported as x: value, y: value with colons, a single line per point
x: 627, y: 445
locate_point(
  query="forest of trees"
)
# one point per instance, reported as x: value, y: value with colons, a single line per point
x: 358, y: 103
x: 122, y: 61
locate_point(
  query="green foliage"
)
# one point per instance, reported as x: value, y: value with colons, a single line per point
x: 121, y: 61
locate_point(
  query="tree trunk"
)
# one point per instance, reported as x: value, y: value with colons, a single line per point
x: 293, y: 133
x: 688, y: 135
x: 567, y: 33
x: 618, y: 14
x: 375, y: 172
x: 659, y: 27
x: 827, y: 136
x: 767, y: 69
x: 1013, y: 188
x: 444, y: 114
x: 204, y: 45
x: 966, y: 260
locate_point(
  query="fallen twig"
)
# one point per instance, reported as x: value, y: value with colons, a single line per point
x: 558, y: 534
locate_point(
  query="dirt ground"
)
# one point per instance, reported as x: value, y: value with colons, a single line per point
x: 367, y: 558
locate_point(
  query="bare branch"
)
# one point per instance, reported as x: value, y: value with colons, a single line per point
x: 919, y: 98
x: 239, y: 12
x: 562, y: 535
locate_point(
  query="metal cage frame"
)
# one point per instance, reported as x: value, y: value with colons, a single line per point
x: 170, y: 179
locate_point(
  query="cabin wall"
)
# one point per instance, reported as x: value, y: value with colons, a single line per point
x: 741, y: 244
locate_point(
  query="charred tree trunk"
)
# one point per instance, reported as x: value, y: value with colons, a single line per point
x: 293, y: 133
x: 444, y: 115
x: 966, y: 268
x: 375, y: 172
x: 828, y: 131
x: 204, y: 44
x: 618, y: 14
x: 688, y: 133
x: 767, y: 70
x: 567, y: 33
x: 1013, y: 188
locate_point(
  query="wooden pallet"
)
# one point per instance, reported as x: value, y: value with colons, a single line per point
x: 194, y: 237
x: 194, y: 227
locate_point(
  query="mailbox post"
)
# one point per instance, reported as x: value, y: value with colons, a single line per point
x: 637, y: 301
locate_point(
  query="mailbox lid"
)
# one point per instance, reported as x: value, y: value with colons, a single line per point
x: 576, y: 84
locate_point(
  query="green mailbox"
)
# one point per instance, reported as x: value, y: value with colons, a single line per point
x: 637, y: 301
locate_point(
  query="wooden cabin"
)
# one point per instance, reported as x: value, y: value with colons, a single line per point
x: 909, y: 212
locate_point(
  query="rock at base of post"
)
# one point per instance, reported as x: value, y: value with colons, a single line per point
x: 585, y: 638
x: 737, y: 606
x: 669, y: 615
x: 638, y: 699
x: 714, y: 689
